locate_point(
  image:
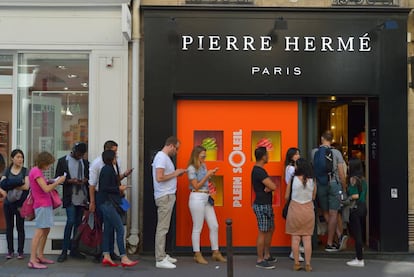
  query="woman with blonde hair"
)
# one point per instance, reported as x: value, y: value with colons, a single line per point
x: 199, y: 205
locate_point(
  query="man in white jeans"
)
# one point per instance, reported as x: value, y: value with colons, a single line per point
x: 164, y: 177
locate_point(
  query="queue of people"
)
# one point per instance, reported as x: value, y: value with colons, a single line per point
x: 97, y: 187
x: 72, y: 172
x: 310, y: 187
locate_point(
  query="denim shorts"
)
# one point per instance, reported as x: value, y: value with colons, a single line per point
x: 44, y: 217
x: 265, y: 217
x: 328, y: 196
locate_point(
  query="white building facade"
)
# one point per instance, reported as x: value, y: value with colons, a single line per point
x: 63, y: 78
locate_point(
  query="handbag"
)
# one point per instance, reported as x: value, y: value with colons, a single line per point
x: 286, y: 207
x: 14, y: 195
x: 212, y: 191
x: 124, y: 204
x: 56, y: 201
x: 210, y: 200
x: 88, y: 236
x: 27, y: 210
x: 116, y: 205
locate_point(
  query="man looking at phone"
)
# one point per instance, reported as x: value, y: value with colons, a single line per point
x: 75, y: 195
x: 164, y: 177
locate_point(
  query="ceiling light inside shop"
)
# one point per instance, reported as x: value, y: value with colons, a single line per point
x: 84, y: 84
x: 61, y: 67
x: 68, y: 112
x: 71, y: 76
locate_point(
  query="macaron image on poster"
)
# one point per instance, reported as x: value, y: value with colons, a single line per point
x: 269, y: 139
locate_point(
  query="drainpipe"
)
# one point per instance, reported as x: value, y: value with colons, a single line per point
x: 133, y: 238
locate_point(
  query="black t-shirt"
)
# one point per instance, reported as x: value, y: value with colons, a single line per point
x: 258, y: 175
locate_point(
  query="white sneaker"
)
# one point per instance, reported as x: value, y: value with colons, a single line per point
x: 171, y: 259
x: 356, y: 262
x: 301, y: 249
x: 301, y: 259
x: 165, y: 264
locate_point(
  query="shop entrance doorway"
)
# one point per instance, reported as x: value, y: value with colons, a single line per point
x: 231, y: 131
x: 347, y: 119
x: 350, y: 123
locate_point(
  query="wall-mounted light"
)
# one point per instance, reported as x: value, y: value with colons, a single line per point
x: 386, y: 25
x: 109, y: 61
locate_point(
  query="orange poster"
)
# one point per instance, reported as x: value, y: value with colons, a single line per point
x: 231, y: 131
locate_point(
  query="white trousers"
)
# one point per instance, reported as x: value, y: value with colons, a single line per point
x: 200, y: 209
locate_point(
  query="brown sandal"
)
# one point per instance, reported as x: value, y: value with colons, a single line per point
x: 297, y: 267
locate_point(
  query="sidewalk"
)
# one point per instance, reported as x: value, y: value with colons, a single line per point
x: 244, y: 266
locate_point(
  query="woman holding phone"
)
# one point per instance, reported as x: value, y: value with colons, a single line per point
x: 199, y: 205
x: 43, y: 207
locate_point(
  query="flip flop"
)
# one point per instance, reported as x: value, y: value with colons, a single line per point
x: 36, y: 266
x: 45, y: 261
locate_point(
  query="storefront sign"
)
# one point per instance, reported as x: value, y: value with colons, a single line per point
x: 247, y: 43
x: 264, y: 43
x: 237, y: 159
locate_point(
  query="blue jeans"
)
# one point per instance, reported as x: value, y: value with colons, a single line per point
x: 112, y: 221
x: 73, y: 220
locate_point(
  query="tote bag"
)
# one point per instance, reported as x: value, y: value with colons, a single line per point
x: 56, y: 201
x: 89, y: 235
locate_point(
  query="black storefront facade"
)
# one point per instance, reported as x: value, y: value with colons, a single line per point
x: 270, y: 54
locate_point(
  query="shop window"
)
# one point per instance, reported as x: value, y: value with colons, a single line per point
x: 6, y: 71
x: 52, y: 105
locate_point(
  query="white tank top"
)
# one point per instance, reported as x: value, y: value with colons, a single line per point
x: 300, y: 193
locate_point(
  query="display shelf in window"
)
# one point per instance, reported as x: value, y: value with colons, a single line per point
x: 4, y: 138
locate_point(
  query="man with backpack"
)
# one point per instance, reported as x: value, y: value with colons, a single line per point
x: 330, y: 179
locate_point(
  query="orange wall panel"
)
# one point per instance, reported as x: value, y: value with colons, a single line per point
x: 233, y: 129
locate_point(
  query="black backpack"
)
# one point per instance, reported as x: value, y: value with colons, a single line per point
x: 323, y: 164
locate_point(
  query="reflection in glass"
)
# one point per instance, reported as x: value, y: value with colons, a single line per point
x: 52, y: 105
